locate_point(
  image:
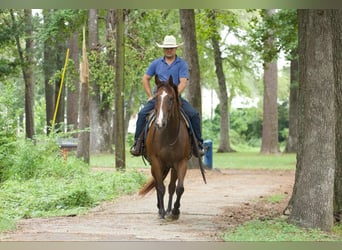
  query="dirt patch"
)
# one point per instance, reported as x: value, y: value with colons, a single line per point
x: 229, y: 198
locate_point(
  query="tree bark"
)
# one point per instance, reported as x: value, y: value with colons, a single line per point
x: 193, y: 90
x: 83, y: 145
x: 60, y: 60
x: 99, y: 108
x: 74, y: 89
x: 26, y: 62
x: 312, y: 199
x: 269, y: 143
x: 337, y: 59
x: 28, y: 74
x: 120, y: 90
x: 49, y: 68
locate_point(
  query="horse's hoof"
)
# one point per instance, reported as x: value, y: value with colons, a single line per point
x: 172, y: 217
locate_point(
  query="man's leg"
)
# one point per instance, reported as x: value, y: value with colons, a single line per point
x: 140, y: 125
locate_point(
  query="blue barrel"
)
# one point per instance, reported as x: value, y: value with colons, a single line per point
x: 208, y: 153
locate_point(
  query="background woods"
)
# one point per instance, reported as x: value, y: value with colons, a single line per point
x: 265, y: 80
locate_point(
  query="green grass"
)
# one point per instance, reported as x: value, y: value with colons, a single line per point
x: 239, y: 160
x: 45, y: 197
x: 276, y: 230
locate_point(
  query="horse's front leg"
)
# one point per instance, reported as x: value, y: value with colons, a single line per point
x: 182, y: 167
x: 157, y: 174
x: 160, y: 187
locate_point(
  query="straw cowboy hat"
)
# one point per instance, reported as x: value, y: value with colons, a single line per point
x: 169, y: 42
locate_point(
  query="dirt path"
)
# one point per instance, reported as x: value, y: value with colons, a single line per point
x: 207, y: 210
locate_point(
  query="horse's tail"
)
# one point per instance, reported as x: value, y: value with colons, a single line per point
x: 147, y: 187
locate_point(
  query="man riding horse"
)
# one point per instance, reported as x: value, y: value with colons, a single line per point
x: 164, y: 67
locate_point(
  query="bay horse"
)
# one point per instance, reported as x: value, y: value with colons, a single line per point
x: 167, y: 147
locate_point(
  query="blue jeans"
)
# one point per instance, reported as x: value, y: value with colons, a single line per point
x: 188, y: 109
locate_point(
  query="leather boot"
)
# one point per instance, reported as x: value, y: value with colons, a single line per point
x: 136, y: 149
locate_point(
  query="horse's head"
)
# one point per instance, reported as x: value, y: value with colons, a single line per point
x: 166, y: 101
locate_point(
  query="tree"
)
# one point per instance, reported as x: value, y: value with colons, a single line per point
x: 193, y: 90
x: 292, y: 142
x: 49, y: 68
x: 269, y: 143
x: 26, y: 62
x: 73, y: 86
x: 337, y: 59
x: 83, y: 145
x: 312, y: 198
x: 119, y: 88
x: 214, y: 38
x: 188, y: 29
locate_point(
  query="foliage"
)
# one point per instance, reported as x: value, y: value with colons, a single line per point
x: 39, y: 182
x: 276, y: 230
x: 282, y: 26
x: 246, y: 125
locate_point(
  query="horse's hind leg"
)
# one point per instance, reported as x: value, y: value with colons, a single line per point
x: 172, y: 188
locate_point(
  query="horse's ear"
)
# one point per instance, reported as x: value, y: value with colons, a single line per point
x: 171, y: 80
x: 156, y: 78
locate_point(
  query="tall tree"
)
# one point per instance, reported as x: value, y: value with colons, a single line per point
x: 49, y: 67
x: 26, y: 62
x: 292, y: 142
x: 99, y: 107
x: 312, y: 198
x: 224, y: 145
x: 188, y: 29
x: 120, y: 88
x: 193, y: 90
x: 83, y: 145
x: 73, y: 86
x: 269, y: 143
x: 337, y: 58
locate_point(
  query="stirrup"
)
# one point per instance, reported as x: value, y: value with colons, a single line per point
x: 136, y: 149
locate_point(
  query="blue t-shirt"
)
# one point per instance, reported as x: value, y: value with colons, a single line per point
x: 178, y: 69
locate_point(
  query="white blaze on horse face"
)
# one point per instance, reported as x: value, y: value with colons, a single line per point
x: 160, y: 117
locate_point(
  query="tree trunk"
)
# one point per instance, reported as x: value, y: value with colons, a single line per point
x: 61, y: 53
x: 26, y: 61
x: 224, y: 145
x: 337, y: 58
x: 74, y: 89
x: 99, y: 109
x: 269, y: 143
x: 193, y: 90
x: 291, y: 145
x: 83, y: 145
x: 120, y: 90
x: 95, y: 127
x: 28, y: 74
x: 49, y: 67
x: 312, y: 201
x: 188, y: 29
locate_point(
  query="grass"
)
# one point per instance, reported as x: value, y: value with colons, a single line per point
x: 276, y: 230
x: 75, y: 190
x: 241, y: 160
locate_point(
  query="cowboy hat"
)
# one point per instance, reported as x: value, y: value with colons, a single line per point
x: 169, y: 42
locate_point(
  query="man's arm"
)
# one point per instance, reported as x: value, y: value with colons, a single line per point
x: 147, y: 87
x: 182, y: 85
